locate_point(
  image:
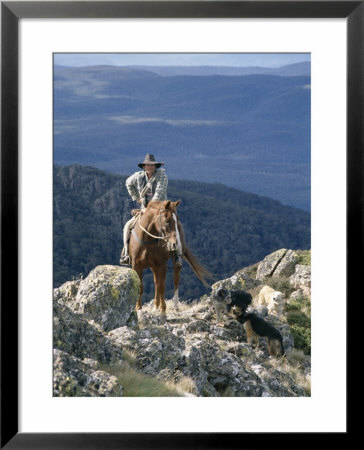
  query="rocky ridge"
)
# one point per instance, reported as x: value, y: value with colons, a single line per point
x: 96, y: 330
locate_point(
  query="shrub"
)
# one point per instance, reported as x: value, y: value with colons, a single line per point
x: 304, y: 257
x: 299, y: 319
x: 281, y: 285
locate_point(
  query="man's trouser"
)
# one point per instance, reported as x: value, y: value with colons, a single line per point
x: 126, y: 235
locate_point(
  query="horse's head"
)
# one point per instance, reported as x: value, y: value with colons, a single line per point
x: 165, y: 221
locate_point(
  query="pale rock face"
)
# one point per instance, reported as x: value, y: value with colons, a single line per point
x: 240, y: 280
x: 286, y: 266
x: 301, y: 279
x: 75, y: 377
x: 75, y: 336
x: 107, y: 296
x: 267, y: 267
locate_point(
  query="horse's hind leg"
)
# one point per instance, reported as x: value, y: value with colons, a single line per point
x: 176, y: 277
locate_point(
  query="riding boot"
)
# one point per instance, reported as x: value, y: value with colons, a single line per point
x: 177, y: 259
x: 124, y: 257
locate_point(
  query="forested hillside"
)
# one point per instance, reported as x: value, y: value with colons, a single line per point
x: 225, y: 228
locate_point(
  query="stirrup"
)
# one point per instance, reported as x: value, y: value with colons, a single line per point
x: 178, y: 261
x: 125, y: 260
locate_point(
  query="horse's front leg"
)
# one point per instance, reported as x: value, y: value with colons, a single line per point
x: 176, y: 277
x: 139, y: 271
x: 161, y: 273
x: 156, y: 295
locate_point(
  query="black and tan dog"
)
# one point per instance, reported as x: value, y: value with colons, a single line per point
x: 232, y: 302
x: 256, y: 326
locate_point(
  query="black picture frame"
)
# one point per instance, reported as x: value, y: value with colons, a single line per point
x: 11, y: 12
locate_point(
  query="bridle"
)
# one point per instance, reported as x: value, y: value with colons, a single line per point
x: 156, y: 239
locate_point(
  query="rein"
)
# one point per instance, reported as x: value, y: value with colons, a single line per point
x: 154, y: 241
x: 155, y: 238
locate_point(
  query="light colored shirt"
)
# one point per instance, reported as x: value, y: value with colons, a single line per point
x: 157, y: 185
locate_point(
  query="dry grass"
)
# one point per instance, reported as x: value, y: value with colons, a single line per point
x: 293, y: 364
x: 185, y: 386
x: 137, y: 384
x: 296, y: 357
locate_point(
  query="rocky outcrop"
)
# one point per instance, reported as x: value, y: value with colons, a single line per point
x: 286, y: 266
x: 240, y: 280
x: 217, y: 359
x: 278, y: 264
x: 94, y: 324
x: 74, y: 377
x: 75, y: 336
x: 82, y: 311
x: 283, y: 264
x: 301, y: 280
x: 107, y: 296
x: 267, y: 267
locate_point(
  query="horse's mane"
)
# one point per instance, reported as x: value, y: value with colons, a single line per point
x: 156, y: 203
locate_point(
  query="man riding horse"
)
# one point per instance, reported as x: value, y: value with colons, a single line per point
x: 143, y: 186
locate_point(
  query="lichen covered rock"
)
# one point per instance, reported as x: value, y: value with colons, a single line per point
x: 301, y: 279
x: 286, y: 266
x: 73, y: 377
x: 267, y: 267
x: 215, y: 358
x: 75, y: 336
x: 240, y: 280
x: 107, y: 296
x: 94, y: 325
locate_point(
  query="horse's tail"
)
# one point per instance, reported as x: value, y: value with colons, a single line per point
x: 200, y: 271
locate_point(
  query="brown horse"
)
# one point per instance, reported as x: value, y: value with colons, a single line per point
x: 152, y: 241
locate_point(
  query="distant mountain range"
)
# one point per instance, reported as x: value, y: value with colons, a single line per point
x: 297, y: 70
x: 227, y: 229
x: 248, y: 131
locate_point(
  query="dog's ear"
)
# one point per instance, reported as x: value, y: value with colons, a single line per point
x: 219, y: 292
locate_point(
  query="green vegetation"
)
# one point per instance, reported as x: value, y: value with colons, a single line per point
x: 298, y: 311
x: 281, y: 285
x: 304, y: 257
x: 299, y: 318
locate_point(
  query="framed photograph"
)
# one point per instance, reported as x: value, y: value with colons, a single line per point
x: 42, y: 43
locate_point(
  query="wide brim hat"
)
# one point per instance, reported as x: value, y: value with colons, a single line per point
x: 149, y: 159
